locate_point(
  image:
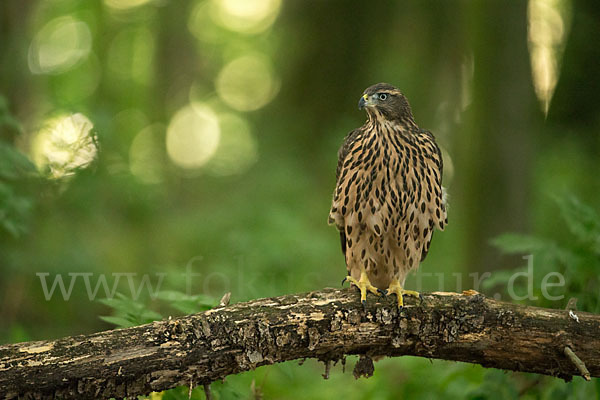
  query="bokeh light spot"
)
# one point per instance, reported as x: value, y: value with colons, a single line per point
x: 65, y: 144
x: 146, y: 154
x: 192, y: 136
x: 246, y: 16
x: 237, y: 149
x: 548, y: 27
x: 199, y: 23
x: 130, y: 55
x: 59, y: 45
x: 247, y: 83
x: 122, y: 5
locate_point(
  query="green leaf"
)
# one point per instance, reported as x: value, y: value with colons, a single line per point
x: 15, y: 211
x: 500, y: 277
x: 187, y: 304
x: 121, y: 303
x: 174, y: 295
x: 575, y: 253
x: 126, y: 309
x: 14, y: 164
x: 118, y: 321
x: 514, y: 243
x: 583, y: 221
x: 148, y: 316
x: 7, y: 120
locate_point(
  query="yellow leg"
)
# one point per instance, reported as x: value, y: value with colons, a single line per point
x: 363, y: 285
x: 400, y: 292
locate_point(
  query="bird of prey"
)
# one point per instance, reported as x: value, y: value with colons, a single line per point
x: 389, y: 196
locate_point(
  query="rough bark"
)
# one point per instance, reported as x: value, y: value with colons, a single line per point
x: 326, y: 325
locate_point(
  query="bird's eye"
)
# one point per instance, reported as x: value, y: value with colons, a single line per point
x: 383, y: 96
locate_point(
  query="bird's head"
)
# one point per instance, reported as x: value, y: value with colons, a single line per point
x: 385, y: 101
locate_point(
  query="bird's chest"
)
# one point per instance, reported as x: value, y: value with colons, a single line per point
x: 393, y: 171
x: 392, y: 161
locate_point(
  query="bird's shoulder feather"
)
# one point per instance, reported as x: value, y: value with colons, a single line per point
x: 435, y: 163
x: 345, y: 149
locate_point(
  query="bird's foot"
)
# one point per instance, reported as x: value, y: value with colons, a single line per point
x: 364, y: 285
x: 397, y: 289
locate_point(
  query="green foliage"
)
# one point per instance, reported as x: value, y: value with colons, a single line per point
x: 187, y: 304
x: 128, y: 312
x: 14, y: 165
x: 576, y: 255
x: 9, y: 125
x: 16, y: 203
x: 219, y: 391
x: 15, y: 210
x: 497, y: 385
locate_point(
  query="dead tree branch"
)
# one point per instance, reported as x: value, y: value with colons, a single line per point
x: 326, y: 325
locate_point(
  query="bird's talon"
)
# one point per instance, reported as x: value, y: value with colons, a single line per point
x: 344, y: 280
x: 400, y: 292
x: 363, y: 285
x: 383, y: 293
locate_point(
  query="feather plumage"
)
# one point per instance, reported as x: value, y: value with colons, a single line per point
x: 389, y: 196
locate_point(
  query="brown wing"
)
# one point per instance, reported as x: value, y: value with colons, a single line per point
x: 344, y: 149
x: 437, y: 203
x: 342, y: 153
x: 436, y: 164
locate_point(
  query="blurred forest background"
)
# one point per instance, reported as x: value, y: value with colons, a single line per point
x: 200, y: 137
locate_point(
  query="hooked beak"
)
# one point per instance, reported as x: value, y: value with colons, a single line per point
x: 364, y: 102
